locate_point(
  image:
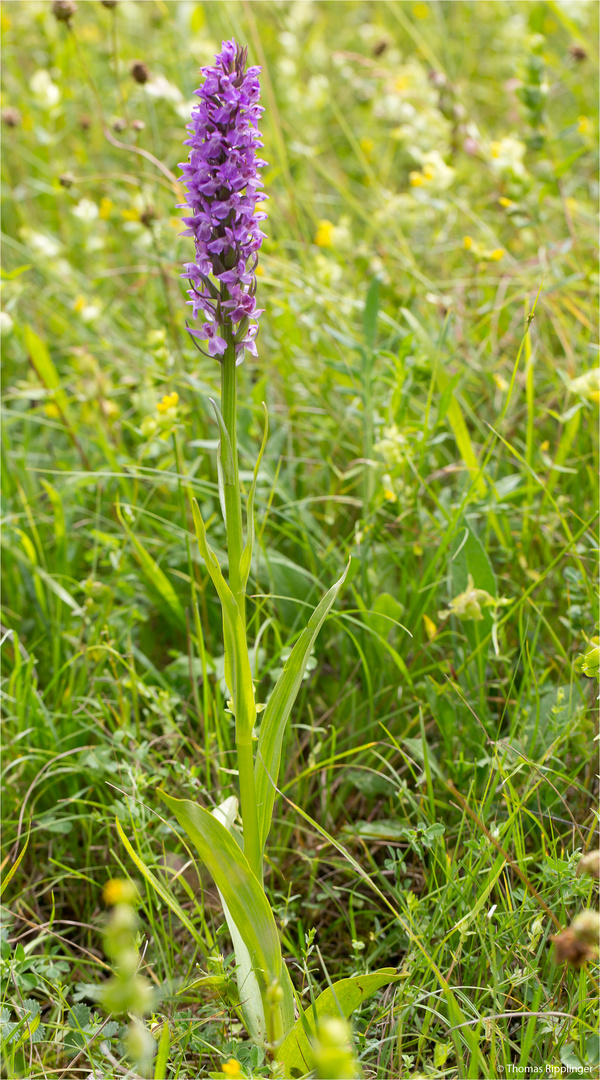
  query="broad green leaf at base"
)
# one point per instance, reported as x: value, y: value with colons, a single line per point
x: 342, y: 998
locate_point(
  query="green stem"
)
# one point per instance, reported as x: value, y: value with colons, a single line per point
x: 235, y: 544
x: 233, y: 502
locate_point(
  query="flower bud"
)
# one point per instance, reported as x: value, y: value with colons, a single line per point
x: 64, y: 10
x: 139, y: 71
x: 334, y: 1058
x: 11, y: 116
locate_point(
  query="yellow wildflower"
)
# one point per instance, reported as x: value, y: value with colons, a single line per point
x: 52, y: 410
x: 367, y: 146
x: 468, y: 243
x: 324, y: 234
x: 506, y: 202
x: 430, y: 627
x: 130, y: 214
x: 168, y: 402
x: 500, y: 381
x: 388, y: 489
x: 79, y: 303
x: 497, y: 254
x: 259, y: 271
x: 545, y: 446
x: 119, y: 891
x: 583, y: 125
x: 420, y: 11
x: 416, y: 178
x: 232, y: 1069
x: 106, y: 206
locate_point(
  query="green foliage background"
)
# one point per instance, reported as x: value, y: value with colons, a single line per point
x: 433, y: 185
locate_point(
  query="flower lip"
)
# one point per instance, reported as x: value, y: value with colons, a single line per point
x: 222, y: 180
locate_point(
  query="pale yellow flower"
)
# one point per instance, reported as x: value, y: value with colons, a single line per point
x: 325, y: 233
x: 168, y: 402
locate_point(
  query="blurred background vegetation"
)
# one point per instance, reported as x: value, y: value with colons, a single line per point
x: 428, y: 355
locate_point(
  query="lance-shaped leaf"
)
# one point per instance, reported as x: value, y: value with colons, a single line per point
x: 246, y: 902
x: 246, y: 559
x: 165, y: 594
x: 279, y: 707
x: 340, y: 999
x: 250, y: 998
x: 238, y: 674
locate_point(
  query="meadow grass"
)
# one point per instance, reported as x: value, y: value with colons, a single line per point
x: 428, y: 357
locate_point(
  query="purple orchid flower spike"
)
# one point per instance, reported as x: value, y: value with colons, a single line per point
x: 222, y: 180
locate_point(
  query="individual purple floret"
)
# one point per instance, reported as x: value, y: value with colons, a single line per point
x: 223, y: 182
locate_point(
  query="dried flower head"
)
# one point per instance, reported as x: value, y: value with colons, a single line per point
x: 11, y: 116
x: 590, y: 864
x: 64, y: 10
x: 579, y: 942
x: 222, y: 180
x: 577, y: 52
x: 139, y: 71
x: 66, y: 179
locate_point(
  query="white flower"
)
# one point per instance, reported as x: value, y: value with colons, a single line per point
x: 184, y: 109
x: 437, y: 175
x: 587, y: 385
x: 160, y: 87
x: 45, y: 92
x: 39, y: 243
x: 506, y: 156
x: 86, y: 211
x: 6, y: 324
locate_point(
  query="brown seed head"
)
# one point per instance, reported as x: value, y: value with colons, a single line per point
x: 138, y: 125
x: 140, y: 72
x: 568, y: 949
x: 11, y: 116
x: 590, y: 864
x: 64, y: 10
x: 66, y: 180
x: 148, y: 216
x: 577, y: 52
x: 84, y: 121
x: 119, y: 124
x: 109, y: 3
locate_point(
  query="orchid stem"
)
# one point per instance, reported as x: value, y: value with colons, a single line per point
x: 235, y: 543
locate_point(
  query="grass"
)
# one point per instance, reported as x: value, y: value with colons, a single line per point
x: 425, y: 369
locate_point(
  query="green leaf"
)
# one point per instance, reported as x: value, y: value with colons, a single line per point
x: 238, y: 673
x: 470, y: 557
x: 279, y: 707
x: 250, y: 998
x: 162, y: 1057
x: 44, y: 368
x: 15, y: 866
x: 246, y: 902
x: 452, y: 407
x: 164, y: 894
x: 340, y: 999
x: 157, y: 579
